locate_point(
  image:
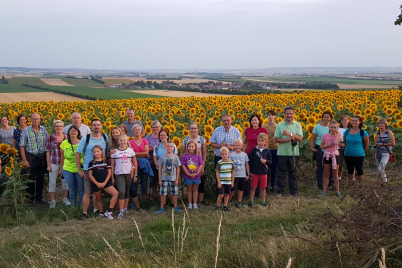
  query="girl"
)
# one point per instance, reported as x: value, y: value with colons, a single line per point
x: 345, y: 124
x: 99, y: 173
x: 329, y: 143
x: 382, y: 149
x: 192, y: 166
x: 124, y: 173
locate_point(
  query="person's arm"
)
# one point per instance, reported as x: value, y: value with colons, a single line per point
x: 204, y: 157
x: 61, y: 161
x: 92, y: 178
x: 337, y: 139
x: 134, y: 169
x: 109, y: 174
x: 322, y: 145
x: 160, y: 175
x: 219, y: 185
x: 391, y: 139
x: 112, y: 163
x: 312, y: 142
x: 233, y: 175
x: 269, y: 157
x: 49, y: 166
x: 245, y: 142
x: 177, y: 175
x: 156, y: 161
x: 248, y: 170
x: 366, y: 141
x: 23, y: 156
x: 15, y: 143
x: 78, y: 164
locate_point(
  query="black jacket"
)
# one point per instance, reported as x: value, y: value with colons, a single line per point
x: 256, y: 167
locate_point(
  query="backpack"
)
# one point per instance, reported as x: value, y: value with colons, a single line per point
x: 87, y: 142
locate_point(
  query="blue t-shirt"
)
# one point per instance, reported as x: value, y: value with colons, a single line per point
x: 354, y: 144
x: 159, y: 150
x: 320, y: 131
x: 88, y: 156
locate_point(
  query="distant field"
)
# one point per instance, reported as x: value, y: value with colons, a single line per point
x: 131, y: 80
x: 30, y: 80
x: 35, y: 96
x: 56, y: 82
x: 82, y: 82
x: 17, y: 88
x: 174, y: 93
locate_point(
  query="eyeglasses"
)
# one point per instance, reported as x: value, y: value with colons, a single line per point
x: 58, y: 126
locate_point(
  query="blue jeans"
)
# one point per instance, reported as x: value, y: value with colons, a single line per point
x: 143, y: 177
x: 273, y: 167
x: 75, y: 184
x: 319, y: 155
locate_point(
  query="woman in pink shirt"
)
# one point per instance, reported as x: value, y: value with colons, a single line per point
x: 330, y: 142
x: 141, y: 149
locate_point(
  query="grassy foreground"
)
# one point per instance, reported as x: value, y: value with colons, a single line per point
x: 312, y: 231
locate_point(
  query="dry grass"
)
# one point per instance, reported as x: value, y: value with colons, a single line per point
x: 36, y: 96
x: 56, y: 82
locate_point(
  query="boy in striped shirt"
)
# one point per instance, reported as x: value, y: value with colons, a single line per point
x: 225, y: 175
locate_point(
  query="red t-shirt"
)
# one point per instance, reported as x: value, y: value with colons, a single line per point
x: 252, y: 135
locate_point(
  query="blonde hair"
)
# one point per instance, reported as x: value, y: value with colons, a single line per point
x: 383, y: 121
x: 224, y: 150
x: 262, y: 136
x: 196, y: 152
x: 238, y: 140
x: 334, y: 122
x: 54, y: 122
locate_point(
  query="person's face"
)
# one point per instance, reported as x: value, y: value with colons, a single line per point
x: 35, y: 119
x: 73, y: 133
x: 137, y: 131
x: 76, y: 120
x: 169, y: 147
x: 23, y: 121
x: 255, y: 122
x: 58, y: 127
x: 238, y: 146
x: 225, y: 156
x: 193, y: 130
x: 191, y: 148
x: 156, y: 129
x: 333, y: 128
x: 163, y: 136
x: 345, y: 122
x: 271, y: 117
x: 96, y: 126
x: 355, y: 122
x: 115, y: 134
x: 289, y: 115
x: 227, y: 121
x: 261, y: 143
x: 130, y: 115
x: 123, y: 130
x: 97, y: 153
x: 122, y: 141
x: 4, y: 121
x: 326, y: 118
x: 381, y: 125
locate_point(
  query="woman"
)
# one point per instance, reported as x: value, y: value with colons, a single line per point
x: 345, y: 124
x: 270, y: 126
x: 202, y: 147
x: 6, y: 132
x: 356, y: 142
x: 67, y: 160
x: 153, y: 140
x: 22, y: 121
x: 315, y: 142
x: 115, y: 133
x: 385, y: 140
x: 53, y: 155
x: 141, y: 149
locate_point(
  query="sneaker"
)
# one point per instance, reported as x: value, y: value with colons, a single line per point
x: 120, y: 216
x: 203, y: 203
x: 109, y: 215
x: 52, y: 204
x: 195, y: 206
x: 101, y: 215
x: 125, y: 210
x: 238, y: 204
x: 322, y: 194
x: 95, y: 210
x: 84, y: 216
x: 250, y: 204
x: 226, y: 209
x: 264, y: 204
x: 338, y: 194
x: 66, y: 202
x: 339, y: 179
x: 160, y: 210
x: 177, y: 209
x: 217, y: 207
x: 190, y: 206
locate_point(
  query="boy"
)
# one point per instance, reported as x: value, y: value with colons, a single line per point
x: 242, y: 170
x: 260, y: 158
x: 225, y: 174
x: 169, y: 174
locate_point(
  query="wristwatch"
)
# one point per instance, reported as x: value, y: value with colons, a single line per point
x: 291, y: 134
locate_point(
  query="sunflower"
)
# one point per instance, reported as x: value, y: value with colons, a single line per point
x: 176, y: 140
x: 7, y: 170
x: 148, y: 129
x: 375, y: 118
x: 208, y: 129
x: 198, y: 120
x: 311, y: 120
x: 60, y: 116
x: 172, y: 128
x: 11, y: 151
x: 186, y: 132
x: 239, y: 128
x: 4, y: 147
x: 246, y: 124
x: 399, y: 124
x: 310, y: 128
x: 389, y: 111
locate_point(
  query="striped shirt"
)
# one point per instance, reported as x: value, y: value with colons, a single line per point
x: 225, y: 169
x: 34, y: 142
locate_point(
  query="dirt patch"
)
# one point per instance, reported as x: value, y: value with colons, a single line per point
x: 174, y: 93
x: 36, y: 96
x: 56, y: 82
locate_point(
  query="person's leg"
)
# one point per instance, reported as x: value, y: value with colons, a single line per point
x: 201, y: 189
x: 234, y: 189
x: 327, y: 169
x: 281, y: 174
x: 320, y: 168
x: 163, y: 193
x: 134, y: 191
x: 114, y: 193
x: 292, y: 164
x: 80, y: 186
x: 226, y: 200
x: 336, y: 179
x: 69, y: 178
x: 195, y: 193
x: 273, y: 169
x: 219, y: 200
x: 99, y: 201
x: 253, y: 184
x: 123, y: 192
x: 40, y: 177
x: 87, y: 193
x: 351, y: 169
x: 340, y: 163
x: 52, y: 180
x: 382, y: 161
x: 359, y: 168
x: 64, y: 186
x: 263, y: 180
x: 144, y: 182
x: 190, y: 194
x: 155, y: 181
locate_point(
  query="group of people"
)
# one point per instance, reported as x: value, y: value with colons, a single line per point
x: 90, y: 162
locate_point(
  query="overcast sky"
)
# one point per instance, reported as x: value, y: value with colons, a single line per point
x: 199, y: 34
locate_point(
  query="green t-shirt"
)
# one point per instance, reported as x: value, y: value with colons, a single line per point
x: 285, y: 149
x: 69, y: 156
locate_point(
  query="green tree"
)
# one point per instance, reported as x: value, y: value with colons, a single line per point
x: 398, y: 20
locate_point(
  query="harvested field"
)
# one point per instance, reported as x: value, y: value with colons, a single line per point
x: 360, y: 86
x: 182, y: 81
x: 36, y: 96
x: 56, y: 82
x: 174, y: 93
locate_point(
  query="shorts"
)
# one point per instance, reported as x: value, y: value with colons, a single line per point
x: 95, y: 189
x: 225, y: 189
x: 259, y: 179
x: 87, y: 183
x: 238, y: 184
x: 353, y: 163
x: 329, y: 161
x: 191, y: 182
x: 174, y: 189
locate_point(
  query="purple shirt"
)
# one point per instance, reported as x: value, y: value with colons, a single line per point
x: 152, y: 143
x: 192, y: 163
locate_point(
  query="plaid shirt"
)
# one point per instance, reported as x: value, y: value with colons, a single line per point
x: 53, y: 147
x: 220, y: 135
x: 33, y: 142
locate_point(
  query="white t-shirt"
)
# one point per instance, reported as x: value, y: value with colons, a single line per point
x: 84, y: 130
x: 123, y: 162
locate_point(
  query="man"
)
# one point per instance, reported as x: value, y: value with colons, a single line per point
x: 76, y: 121
x: 288, y: 133
x: 96, y: 137
x: 32, y: 149
x: 131, y: 121
x: 224, y: 136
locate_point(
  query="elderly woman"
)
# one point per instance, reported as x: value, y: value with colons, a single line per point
x: 53, y: 162
x: 201, y: 144
x: 141, y: 149
x: 385, y: 140
x: 356, y: 142
x: 315, y: 142
x: 153, y: 140
x: 22, y: 121
x: 6, y: 132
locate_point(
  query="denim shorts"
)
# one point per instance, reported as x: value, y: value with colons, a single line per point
x: 191, y: 182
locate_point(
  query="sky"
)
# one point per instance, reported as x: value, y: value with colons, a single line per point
x: 199, y: 34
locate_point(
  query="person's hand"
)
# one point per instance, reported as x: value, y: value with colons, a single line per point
x: 247, y: 177
x: 219, y: 185
x: 232, y: 184
x: 82, y: 174
x: 286, y: 133
x: 135, y: 178
x: 314, y: 150
x: 176, y: 182
x: 113, y: 181
x: 342, y: 145
x: 26, y: 164
x: 49, y: 168
x: 160, y: 183
x: 60, y: 172
x: 263, y: 161
x: 223, y: 144
x: 112, y: 151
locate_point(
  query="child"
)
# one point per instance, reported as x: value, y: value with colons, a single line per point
x: 330, y: 142
x: 260, y: 158
x: 192, y: 165
x: 225, y: 175
x: 240, y: 160
x: 169, y: 174
x: 99, y: 173
x: 124, y: 173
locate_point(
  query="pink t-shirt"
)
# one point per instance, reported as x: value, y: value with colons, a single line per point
x: 328, y: 138
x: 252, y: 135
x: 139, y: 148
x: 123, y: 161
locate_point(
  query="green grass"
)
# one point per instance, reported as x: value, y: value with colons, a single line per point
x: 82, y: 82
x: 30, y: 80
x: 117, y: 81
x: 13, y: 88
